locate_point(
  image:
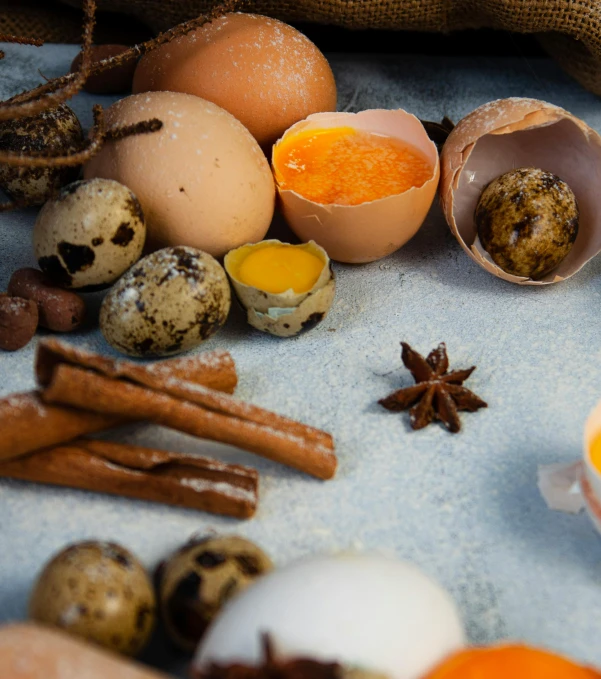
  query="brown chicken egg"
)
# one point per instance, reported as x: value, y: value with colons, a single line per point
x: 334, y: 182
x: 264, y: 72
x: 507, y: 134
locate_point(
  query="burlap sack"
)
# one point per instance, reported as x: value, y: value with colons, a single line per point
x: 570, y: 30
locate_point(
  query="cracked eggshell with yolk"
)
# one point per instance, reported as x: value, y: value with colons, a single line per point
x: 284, y: 314
x: 363, y: 233
x: 365, y: 612
x: 202, y: 179
x: 517, y: 132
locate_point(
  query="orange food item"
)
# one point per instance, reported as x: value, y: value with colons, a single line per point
x: 510, y: 662
x: 348, y: 167
x: 595, y: 452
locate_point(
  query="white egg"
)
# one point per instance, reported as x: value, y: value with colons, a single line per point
x: 363, y: 611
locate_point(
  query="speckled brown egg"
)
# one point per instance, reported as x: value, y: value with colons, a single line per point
x: 198, y: 579
x: 98, y: 591
x: 89, y: 234
x: 170, y: 301
x: 527, y: 221
x: 56, y: 132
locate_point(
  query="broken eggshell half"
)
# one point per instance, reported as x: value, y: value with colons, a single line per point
x: 284, y: 314
x: 355, y: 234
x: 518, y: 132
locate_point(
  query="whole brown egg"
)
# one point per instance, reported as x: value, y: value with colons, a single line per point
x: 264, y: 72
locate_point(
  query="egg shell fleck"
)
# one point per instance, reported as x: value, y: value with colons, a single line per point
x: 284, y: 314
x: 90, y: 234
x: 202, y: 179
x: 363, y: 233
x: 264, y: 72
x: 364, y: 611
x: 170, y: 301
x: 519, y: 132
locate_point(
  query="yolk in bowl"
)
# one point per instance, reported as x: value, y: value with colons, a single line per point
x: 348, y: 167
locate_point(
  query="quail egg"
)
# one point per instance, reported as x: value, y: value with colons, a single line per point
x: 170, y: 301
x: 57, y: 132
x: 89, y: 234
x: 198, y: 579
x: 284, y: 288
x: 527, y: 221
x: 98, y: 591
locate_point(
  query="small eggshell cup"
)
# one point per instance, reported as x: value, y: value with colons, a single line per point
x: 591, y: 476
x: 517, y: 132
x: 355, y: 234
x: 284, y: 314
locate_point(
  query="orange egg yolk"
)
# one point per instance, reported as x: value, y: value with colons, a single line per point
x: 348, y: 167
x: 595, y: 452
x: 279, y: 268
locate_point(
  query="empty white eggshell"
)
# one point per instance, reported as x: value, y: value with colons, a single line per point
x: 363, y: 611
x: 518, y: 132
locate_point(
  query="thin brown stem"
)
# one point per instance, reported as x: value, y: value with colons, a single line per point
x: 29, y: 104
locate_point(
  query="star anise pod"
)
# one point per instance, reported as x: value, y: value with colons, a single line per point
x: 271, y: 668
x: 437, y: 393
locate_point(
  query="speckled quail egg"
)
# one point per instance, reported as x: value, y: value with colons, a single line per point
x: 89, y: 234
x: 198, y: 579
x: 57, y: 132
x: 527, y: 221
x: 99, y: 591
x: 170, y: 301
x: 285, y: 289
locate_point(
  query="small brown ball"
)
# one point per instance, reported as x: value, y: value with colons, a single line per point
x: 113, y: 81
x: 57, y: 132
x: 98, y: 591
x: 59, y: 310
x: 198, y: 579
x: 527, y: 221
x: 18, y: 322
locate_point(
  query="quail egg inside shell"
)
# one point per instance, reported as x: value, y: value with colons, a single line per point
x: 527, y: 221
x: 521, y: 133
x: 89, y: 234
x: 198, y: 579
x: 98, y: 591
x: 170, y: 301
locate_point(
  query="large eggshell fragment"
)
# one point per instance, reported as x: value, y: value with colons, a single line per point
x: 510, y: 133
x: 284, y: 314
x: 371, y: 230
x: 362, y: 611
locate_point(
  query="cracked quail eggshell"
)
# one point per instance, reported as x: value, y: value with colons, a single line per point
x: 519, y: 132
x: 369, y: 231
x: 287, y: 313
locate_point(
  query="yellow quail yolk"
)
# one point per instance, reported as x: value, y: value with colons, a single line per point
x: 595, y: 453
x: 279, y: 268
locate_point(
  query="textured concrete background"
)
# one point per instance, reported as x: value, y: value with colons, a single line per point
x: 466, y: 507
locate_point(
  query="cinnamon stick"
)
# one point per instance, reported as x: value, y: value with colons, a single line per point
x: 142, y: 473
x: 27, y: 424
x: 213, y: 369
x: 75, y: 386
